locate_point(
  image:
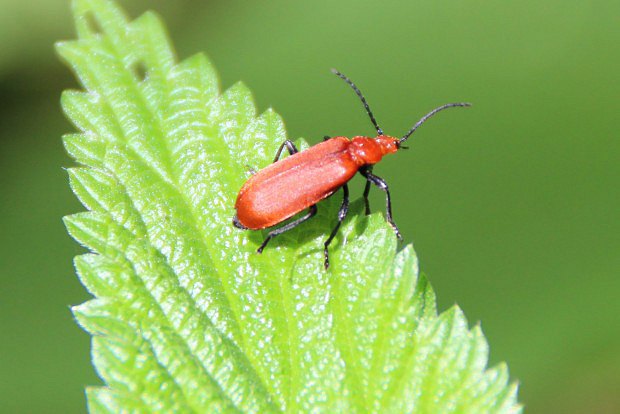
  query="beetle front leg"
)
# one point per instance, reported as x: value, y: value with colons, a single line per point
x: 287, y: 227
x: 342, y: 213
x: 378, y: 181
x: 366, y: 202
x: 292, y: 149
x: 367, y: 169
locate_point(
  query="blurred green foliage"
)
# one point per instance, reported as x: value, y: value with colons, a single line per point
x: 512, y: 205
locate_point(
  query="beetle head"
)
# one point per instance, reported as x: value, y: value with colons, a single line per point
x: 387, y: 144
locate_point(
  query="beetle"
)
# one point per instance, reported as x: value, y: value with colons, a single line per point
x: 298, y: 182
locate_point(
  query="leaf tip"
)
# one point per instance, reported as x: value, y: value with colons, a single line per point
x: 66, y: 49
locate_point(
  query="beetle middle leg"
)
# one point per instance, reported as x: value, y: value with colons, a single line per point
x: 379, y: 182
x: 287, y: 227
x: 342, y: 213
x: 292, y: 149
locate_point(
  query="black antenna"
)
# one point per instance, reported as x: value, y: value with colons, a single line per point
x: 428, y: 115
x: 359, y: 94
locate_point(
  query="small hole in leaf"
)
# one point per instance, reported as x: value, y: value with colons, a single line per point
x: 93, y: 23
x: 139, y: 70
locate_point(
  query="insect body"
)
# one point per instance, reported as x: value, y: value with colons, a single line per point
x: 298, y: 182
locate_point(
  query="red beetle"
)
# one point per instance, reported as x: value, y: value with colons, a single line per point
x: 298, y: 182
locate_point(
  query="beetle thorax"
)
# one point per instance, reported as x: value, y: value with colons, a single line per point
x: 366, y: 150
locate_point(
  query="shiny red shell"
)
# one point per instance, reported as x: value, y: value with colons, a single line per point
x: 298, y: 181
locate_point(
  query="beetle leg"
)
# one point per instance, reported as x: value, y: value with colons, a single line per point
x: 367, y: 169
x: 342, y: 213
x: 378, y: 181
x: 238, y: 224
x: 287, y: 227
x: 366, y: 202
x: 292, y: 149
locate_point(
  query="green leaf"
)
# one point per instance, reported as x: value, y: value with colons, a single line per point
x: 187, y: 317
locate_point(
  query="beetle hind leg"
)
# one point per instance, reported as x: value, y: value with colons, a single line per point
x: 311, y: 212
x: 238, y: 224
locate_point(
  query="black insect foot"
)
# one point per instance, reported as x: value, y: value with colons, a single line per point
x: 397, y: 232
x: 326, y: 255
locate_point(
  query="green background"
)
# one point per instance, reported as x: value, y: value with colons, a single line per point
x: 512, y: 205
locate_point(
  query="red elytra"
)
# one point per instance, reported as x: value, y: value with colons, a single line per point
x: 298, y: 182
